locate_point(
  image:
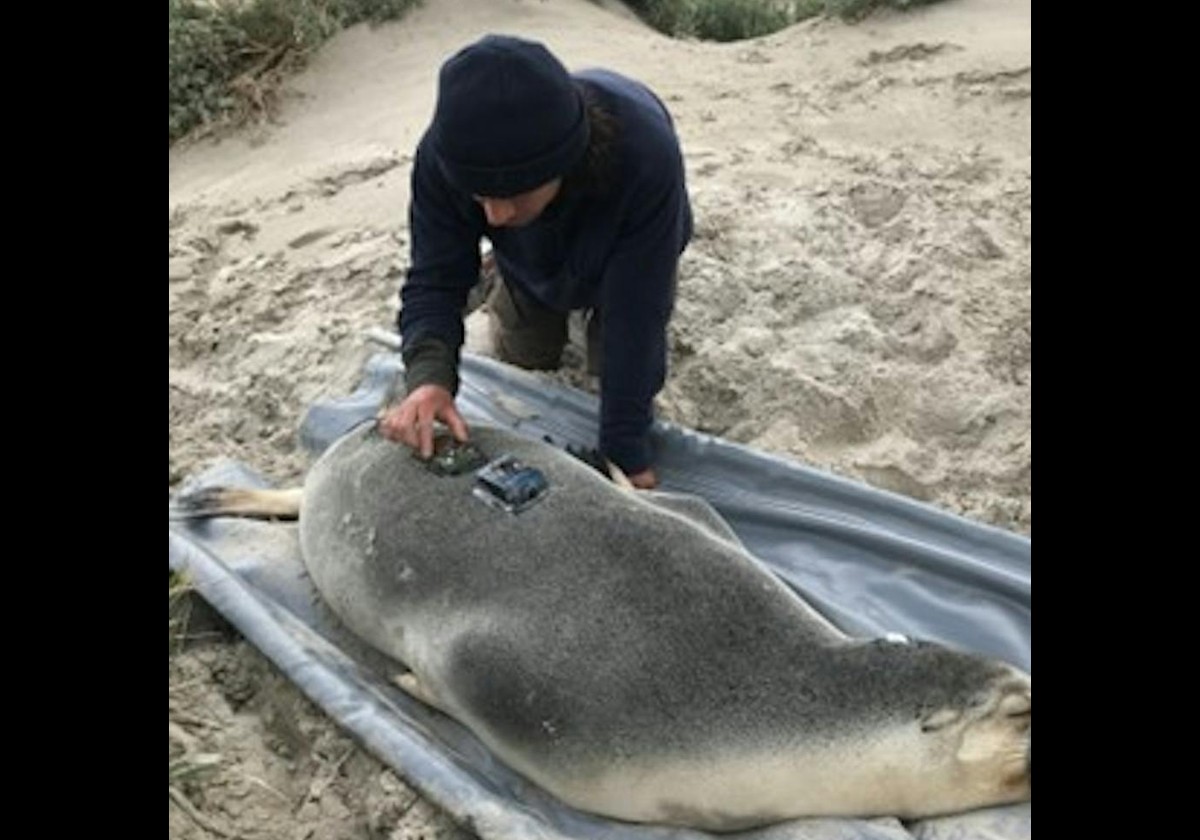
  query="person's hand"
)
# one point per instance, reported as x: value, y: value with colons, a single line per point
x: 411, y: 421
x: 647, y: 479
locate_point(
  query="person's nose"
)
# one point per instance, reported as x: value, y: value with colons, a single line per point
x: 499, y: 212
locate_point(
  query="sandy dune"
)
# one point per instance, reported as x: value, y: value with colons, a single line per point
x: 857, y: 296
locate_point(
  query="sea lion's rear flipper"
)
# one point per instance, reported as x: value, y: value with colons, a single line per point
x: 411, y: 684
x: 210, y: 502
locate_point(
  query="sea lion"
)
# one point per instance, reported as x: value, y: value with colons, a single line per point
x: 624, y: 651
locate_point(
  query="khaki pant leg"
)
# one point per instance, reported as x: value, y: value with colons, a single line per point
x: 524, y: 332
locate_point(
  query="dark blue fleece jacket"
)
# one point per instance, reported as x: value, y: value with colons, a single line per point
x: 617, y: 250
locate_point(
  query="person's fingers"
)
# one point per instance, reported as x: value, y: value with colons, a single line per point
x: 645, y: 480
x: 458, y: 426
x: 425, y: 430
x: 408, y: 435
x: 406, y: 426
x: 413, y: 421
x: 388, y: 425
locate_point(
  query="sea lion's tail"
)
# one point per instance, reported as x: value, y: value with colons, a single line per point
x: 210, y: 502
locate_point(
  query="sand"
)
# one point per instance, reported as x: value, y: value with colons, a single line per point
x: 858, y: 296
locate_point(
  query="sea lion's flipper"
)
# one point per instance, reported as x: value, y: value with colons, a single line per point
x: 411, y: 684
x: 210, y: 502
x: 592, y: 456
x: 617, y: 475
x: 696, y: 509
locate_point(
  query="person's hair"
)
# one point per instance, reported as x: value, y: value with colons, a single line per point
x: 591, y: 176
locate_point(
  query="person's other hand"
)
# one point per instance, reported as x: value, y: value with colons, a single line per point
x: 647, y: 479
x: 411, y: 421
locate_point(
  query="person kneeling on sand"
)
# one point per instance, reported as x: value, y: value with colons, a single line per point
x: 577, y: 180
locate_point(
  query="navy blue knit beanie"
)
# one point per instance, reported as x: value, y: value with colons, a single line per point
x: 509, y: 118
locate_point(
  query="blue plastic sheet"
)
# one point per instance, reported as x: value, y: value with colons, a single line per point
x: 871, y: 561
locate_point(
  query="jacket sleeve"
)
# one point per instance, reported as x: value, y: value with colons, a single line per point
x: 636, y: 304
x: 444, y: 232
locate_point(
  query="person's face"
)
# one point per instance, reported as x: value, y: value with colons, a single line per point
x: 519, y: 210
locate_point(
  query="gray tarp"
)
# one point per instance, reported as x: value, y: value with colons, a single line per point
x: 871, y: 561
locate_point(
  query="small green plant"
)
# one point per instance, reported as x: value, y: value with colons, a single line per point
x: 226, y: 57
x: 858, y: 9
x: 735, y: 20
x: 204, y: 52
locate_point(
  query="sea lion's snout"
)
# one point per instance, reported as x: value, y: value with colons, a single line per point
x: 1017, y: 706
